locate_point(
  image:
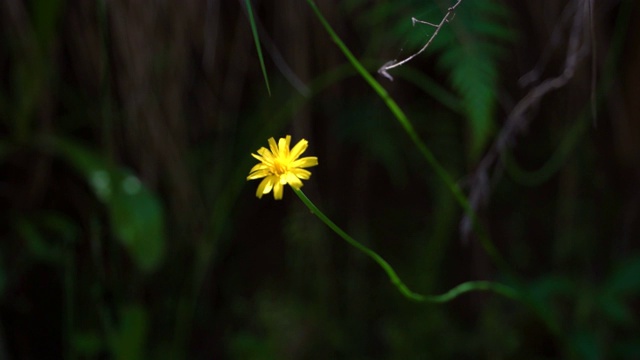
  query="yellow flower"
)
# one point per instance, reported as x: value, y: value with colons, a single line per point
x: 281, y: 166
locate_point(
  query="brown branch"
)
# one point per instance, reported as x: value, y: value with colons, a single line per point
x: 394, y: 63
x: 517, y: 120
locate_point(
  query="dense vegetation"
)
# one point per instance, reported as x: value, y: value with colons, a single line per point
x: 129, y: 230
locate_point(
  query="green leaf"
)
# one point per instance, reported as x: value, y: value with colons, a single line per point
x: 586, y: 345
x: 129, y: 340
x: 135, y: 213
x: 87, y: 344
x: 471, y: 46
x: 38, y: 246
x: 616, y: 309
x: 625, y: 278
x: 623, y: 282
x: 542, y: 294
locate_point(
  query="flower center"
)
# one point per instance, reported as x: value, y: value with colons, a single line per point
x: 279, y: 167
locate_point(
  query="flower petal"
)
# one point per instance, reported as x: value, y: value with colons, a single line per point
x: 283, y: 147
x: 279, y: 165
x: 264, y: 187
x: 259, y: 166
x: 277, y: 191
x: 301, y: 173
x: 265, y: 156
x: 297, y: 150
x: 293, y: 181
x: 264, y: 151
x: 273, y: 146
x: 305, y: 162
x: 258, y: 174
x: 258, y: 157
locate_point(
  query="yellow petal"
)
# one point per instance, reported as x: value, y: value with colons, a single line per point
x: 273, y: 147
x: 277, y: 191
x: 297, y: 150
x: 283, y: 147
x: 305, y: 162
x: 258, y: 174
x: 263, y: 150
x: 261, y: 188
x: 259, y: 166
x: 301, y: 173
x: 258, y: 157
x: 293, y: 181
x: 279, y: 165
x: 272, y: 181
x: 264, y: 156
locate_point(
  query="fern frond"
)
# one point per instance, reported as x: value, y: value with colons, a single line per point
x: 470, y: 50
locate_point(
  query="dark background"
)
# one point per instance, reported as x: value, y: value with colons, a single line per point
x: 128, y: 229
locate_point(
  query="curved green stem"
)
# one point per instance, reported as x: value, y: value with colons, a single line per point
x: 460, y: 197
x: 393, y: 276
x: 557, y: 159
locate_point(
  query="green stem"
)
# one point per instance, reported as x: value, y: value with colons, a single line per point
x: 393, y: 276
x: 256, y: 40
x: 554, y: 163
x: 485, y: 241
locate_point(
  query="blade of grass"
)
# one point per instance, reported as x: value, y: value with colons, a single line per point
x: 256, y: 39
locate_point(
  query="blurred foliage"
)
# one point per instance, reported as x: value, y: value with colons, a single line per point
x: 470, y: 51
x: 135, y: 213
x: 129, y: 231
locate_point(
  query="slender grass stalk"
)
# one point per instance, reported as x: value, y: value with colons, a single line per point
x: 256, y: 39
x: 486, y: 242
x: 393, y: 276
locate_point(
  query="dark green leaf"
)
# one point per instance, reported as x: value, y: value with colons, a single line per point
x: 129, y: 340
x: 136, y: 214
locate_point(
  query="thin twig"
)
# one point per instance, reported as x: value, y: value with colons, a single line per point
x: 517, y: 120
x: 555, y: 41
x: 394, y: 63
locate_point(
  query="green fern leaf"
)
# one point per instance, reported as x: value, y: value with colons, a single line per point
x: 470, y: 48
